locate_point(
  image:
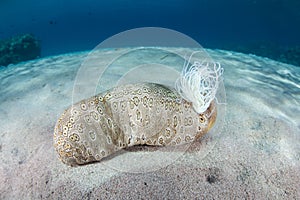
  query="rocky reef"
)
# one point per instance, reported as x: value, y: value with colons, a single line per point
x: 19, y: 48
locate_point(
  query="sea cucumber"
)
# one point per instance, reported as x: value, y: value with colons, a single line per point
x: 128, y: 115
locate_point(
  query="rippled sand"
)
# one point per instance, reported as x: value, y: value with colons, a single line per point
x: 256, y: 154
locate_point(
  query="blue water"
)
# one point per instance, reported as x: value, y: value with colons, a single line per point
x: 65, y: 25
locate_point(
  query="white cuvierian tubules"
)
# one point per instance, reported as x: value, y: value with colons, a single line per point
x: 198, y: 82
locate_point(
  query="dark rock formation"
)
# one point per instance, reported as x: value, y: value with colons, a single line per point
x: 19, y: 48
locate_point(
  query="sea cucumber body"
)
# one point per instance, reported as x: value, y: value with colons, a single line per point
x: 128, y: 115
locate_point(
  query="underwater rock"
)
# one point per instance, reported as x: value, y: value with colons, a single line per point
x: 19, y: 48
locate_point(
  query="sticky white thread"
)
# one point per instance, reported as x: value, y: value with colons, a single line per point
x: 198, y: 83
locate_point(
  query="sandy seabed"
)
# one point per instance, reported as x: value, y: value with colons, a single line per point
x: 256, y: 155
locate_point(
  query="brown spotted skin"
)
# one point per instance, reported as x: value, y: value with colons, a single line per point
x: 128, y: 115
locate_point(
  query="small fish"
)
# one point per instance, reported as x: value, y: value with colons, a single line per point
x: 164, y: 56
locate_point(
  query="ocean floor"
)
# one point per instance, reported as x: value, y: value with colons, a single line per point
x: 254, y: 154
